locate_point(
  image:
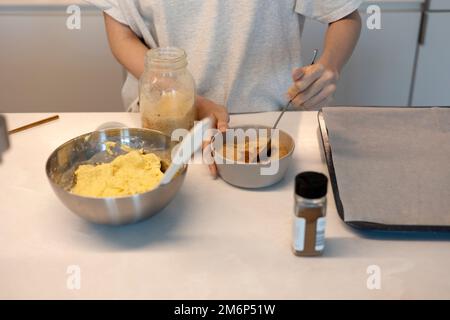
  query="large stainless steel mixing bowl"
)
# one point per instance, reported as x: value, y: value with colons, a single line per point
x: 92, y: 148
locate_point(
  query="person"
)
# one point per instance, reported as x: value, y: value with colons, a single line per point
x: 244, y: 55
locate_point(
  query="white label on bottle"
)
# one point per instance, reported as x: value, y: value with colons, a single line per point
x: 320, y: 234
x: 299, y: 234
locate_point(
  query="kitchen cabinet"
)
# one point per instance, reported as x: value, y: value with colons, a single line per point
x: 47, y: 67
x: 439, y: 5
x: 432, y: 82
x: 381, y: 69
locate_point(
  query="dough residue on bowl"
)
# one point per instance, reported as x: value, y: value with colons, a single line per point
x: 129, y: 174
x: 248, y: 150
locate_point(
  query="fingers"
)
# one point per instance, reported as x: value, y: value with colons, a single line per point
x: 213, y: 170
x: 322, y: 104
x: 314, y: 87
x: 219, y: 114
x: 309, y: 93
x: 321, y: 90
x: 319, y: 104
x: 297, y: 74
x: 222, y: 119
x: 311, y: 74
x: 324, y: 94
x: 208, y: 156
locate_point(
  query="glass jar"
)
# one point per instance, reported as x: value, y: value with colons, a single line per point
x: 309, y: 215
x: 167, y: 91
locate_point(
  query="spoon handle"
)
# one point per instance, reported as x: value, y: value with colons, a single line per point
x: 191, y: 143
x: 267, y: 150
x: 316, y: 51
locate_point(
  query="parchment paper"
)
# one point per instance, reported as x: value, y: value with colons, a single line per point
x: 392, y: 164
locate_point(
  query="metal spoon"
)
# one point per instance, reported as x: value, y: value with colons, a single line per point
x: 266, y: 152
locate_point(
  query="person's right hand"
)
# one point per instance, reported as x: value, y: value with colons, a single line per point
x: 207, y: 108
x: 313, y: 86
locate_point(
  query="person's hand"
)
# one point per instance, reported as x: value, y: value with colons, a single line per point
x: 313, y: 85
x: 207, y: 108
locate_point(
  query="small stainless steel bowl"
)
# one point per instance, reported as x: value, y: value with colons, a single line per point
x: 249, y: 175
x: 91, y: 148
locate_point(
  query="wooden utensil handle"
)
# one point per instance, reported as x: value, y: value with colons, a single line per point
x: 34, y: 124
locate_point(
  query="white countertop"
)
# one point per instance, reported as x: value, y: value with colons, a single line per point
x: 213, y: 241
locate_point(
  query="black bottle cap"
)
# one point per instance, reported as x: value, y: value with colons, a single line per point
x: 311, y: 185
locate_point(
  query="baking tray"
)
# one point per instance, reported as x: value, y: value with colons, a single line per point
x: 361, y: 225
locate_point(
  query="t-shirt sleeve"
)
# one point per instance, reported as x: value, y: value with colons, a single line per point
x: 326, y: 11
x: 110, y: 7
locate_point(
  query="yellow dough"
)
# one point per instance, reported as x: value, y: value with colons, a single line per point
x: 128, y: 174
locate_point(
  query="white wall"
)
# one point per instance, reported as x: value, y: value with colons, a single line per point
x: 44, y: 66
x: 380, y: 72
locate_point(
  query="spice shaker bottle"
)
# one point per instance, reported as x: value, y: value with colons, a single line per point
x: 310, y: 212
x: 167, y: 91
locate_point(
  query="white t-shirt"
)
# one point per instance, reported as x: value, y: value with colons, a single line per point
x: 241, y: 53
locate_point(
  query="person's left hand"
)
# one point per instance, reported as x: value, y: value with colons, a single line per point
x: 221, y: 118
x: 208, y: 108
x: 315, y: 86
